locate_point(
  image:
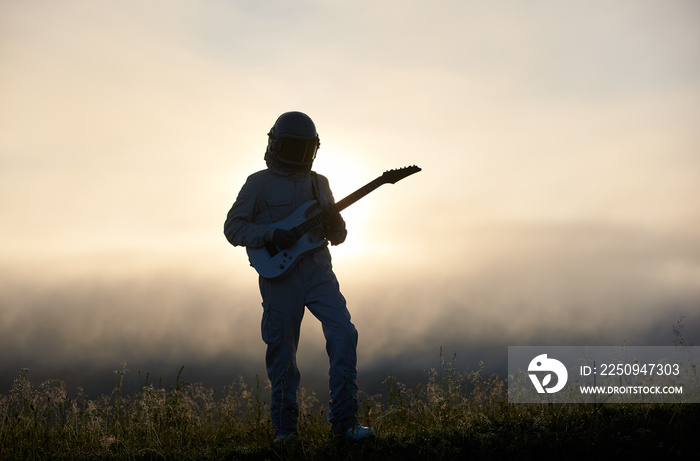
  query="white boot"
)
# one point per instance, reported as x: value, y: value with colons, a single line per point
x: 358, y: 432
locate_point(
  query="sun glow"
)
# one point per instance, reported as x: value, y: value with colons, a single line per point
x: 346, y: 175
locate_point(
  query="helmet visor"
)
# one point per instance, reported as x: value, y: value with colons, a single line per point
x: 298, y: 151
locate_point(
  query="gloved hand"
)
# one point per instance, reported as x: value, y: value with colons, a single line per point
x: 333, y: 225
x: 283, y: 238
x: 331, y: 216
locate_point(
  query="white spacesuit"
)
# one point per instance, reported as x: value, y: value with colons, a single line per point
x: 267, y: 197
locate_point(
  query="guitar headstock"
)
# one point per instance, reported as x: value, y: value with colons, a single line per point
x: 394, y: 176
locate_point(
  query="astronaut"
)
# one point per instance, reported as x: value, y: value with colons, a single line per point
x: 267, y: 197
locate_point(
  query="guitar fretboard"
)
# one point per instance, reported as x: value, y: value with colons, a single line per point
x: 315, y: 221
x: 359, y: 193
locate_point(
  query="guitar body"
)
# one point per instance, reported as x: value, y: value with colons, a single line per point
x: 272, y: 262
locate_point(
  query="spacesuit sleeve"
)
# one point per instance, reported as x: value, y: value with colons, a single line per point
x: 240, y: 228
x: 333, y: 229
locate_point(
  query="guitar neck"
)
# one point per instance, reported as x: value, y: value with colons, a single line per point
x: 317, y: 220
x: 359, y: 193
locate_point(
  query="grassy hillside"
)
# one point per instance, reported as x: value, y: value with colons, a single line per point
x: 451, y: 415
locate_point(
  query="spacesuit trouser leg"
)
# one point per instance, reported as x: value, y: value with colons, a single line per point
x: 283, y: 310
x: 327, y: 304
x: 312, y: 284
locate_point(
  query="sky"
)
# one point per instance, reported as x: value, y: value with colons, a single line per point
x: 558, y: 201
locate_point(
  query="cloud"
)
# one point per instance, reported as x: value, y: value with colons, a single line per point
x: 557, y: 198
x: 559, y: 285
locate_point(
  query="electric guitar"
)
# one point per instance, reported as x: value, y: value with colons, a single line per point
x: 272, y: 262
